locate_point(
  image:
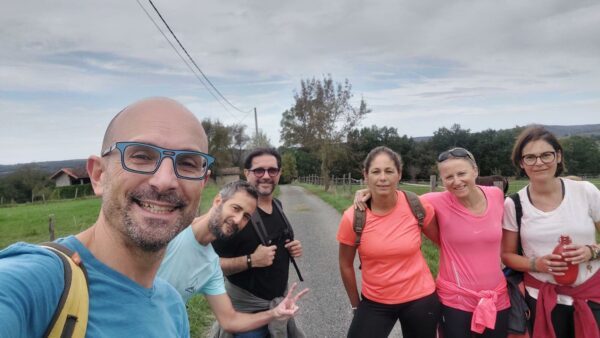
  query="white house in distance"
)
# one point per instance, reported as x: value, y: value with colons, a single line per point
x: 70, y: 176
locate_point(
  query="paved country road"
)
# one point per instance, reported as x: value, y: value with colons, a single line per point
x: 325, y: 311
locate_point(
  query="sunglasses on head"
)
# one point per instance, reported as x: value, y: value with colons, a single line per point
x: 455, y: 153
x: 260, y: 172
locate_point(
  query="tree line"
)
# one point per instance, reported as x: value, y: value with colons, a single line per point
x: 320, y: 131
x: 320, y: 135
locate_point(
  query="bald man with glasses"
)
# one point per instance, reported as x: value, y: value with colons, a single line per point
x: 150, y: 174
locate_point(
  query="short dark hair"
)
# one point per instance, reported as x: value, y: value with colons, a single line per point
x: 232, y: 188
x: 394, y: 156
x: 259, y: 152
x: 535, y: 133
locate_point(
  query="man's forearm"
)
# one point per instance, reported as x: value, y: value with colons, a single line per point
x: 231, y: 320
x: 243, y: 322
x: 234, y: 265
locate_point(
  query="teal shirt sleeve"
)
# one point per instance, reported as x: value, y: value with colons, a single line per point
x: 215, y: 285
x: 31, y: 283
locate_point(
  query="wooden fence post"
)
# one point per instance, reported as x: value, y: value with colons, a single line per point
x: 349, y: 183
x: 432, y: 182
x: 51, y: 226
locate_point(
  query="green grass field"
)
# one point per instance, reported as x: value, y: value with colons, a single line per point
x: 29, y: 223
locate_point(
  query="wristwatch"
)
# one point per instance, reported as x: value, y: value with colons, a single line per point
x: 249, y: 261
x: 595, y: 250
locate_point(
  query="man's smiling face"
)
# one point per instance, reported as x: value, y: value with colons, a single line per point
x: 150, y: 209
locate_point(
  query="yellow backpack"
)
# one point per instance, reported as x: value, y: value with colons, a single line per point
x: 71, y: 315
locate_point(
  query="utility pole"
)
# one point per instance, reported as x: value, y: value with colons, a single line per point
x: 255, y: 122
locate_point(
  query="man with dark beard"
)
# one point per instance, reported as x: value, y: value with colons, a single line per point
x: 150, y: 174
x: 192, y: 266
x: 256, y: 260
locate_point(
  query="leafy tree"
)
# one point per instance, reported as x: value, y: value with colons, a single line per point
x: 321, y: 118
x: 364, y: 140
x: 444, y: 138
x: 582, y: 155
x: 260, y: 140
x: 420, y: 155
x: 25, y: 183
x: 289, y: 172
x: 492, y: 150
x: 307, y: 163
x: 239, y: 140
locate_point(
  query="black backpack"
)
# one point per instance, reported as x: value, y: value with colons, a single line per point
x: 519, y: 311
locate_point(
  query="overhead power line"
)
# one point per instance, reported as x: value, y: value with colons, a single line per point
x: 195, y: 64
x: 184, y: 60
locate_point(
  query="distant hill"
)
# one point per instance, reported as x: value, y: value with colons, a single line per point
x: 580, y: 130
x: 50, y: 167
x: 559, y: 131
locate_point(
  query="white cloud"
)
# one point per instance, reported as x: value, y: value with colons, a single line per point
x: 66, y: 68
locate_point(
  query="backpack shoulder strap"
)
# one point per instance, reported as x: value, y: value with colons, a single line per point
x: 289, y: 234
x: 71, y: 314
x: 415, y: 206
x: 288, y: 225
x: 518, y: 208
x: 360, y: 217
x: 518, y: 215
x: 259, y: 227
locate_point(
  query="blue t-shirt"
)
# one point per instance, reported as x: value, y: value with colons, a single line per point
x: 31, y: 282
x: 191, y: 267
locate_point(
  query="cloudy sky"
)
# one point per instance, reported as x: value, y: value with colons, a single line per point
x: 66, y: 67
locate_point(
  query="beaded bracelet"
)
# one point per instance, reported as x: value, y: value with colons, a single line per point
x: 532, y: 267
x: 595, y: 251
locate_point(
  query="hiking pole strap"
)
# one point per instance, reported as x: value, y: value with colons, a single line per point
x: 297, y: 269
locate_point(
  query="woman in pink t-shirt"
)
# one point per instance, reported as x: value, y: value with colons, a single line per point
x: 396, y: 282
x: 470, y: 283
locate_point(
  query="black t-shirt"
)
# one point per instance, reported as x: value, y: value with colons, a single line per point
x: 266, y: 282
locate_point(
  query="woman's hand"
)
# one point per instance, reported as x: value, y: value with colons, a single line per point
x: 360, y: 199
x: 577, y: 254
x: 550, y: 264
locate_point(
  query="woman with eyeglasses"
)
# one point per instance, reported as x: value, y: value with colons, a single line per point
x: 468, y: 229
x: 396, y: 281
x: 553, y: 207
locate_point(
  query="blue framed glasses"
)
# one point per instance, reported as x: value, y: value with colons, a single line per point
x: 145, y: 159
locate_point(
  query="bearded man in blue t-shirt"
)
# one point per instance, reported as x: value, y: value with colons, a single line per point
x: 150, y: 174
